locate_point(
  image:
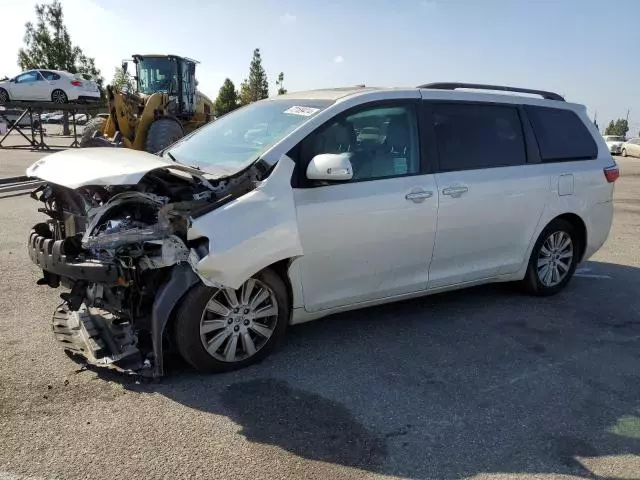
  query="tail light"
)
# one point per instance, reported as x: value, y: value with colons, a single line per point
x: 612, y: 173
x: 76, y: 83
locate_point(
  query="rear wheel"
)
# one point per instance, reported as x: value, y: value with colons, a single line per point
x: 162, y: 133
x: 58, y: 96
x: 554, y: 259
x: 91, y: 127
x: 224, y: 329
x: 4, y: 96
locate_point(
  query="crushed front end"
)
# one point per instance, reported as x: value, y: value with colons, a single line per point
x: 124, y: 256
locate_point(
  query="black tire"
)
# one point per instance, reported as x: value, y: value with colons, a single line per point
x: 189, y: 316
x: 532, y: 282
x: 162, y: 132
x: 624, y: 152
x: 58, y: 96
x: 4, y: 96
x: 91, y: 127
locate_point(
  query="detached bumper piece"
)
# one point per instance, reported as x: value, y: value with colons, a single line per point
x: 96, y: 337
x: 54, y: 259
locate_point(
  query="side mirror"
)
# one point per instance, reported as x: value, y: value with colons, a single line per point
x: 332, y: 167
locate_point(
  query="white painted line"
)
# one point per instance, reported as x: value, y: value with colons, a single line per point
x: 582, y: 270
x: 591, y: 275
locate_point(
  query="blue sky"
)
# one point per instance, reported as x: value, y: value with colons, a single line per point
x: 586, y: 50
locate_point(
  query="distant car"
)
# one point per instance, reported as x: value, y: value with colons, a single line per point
x: 80, y: 119
x: 45, y: 117
x: 55, y: 118
x: 614, y: 143
x: 49, y: 86
x: 631, y: 147
x: 13, y: 114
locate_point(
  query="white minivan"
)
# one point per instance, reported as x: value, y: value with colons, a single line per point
x: 299, y: 206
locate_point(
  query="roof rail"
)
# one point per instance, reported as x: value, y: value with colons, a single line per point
x: 499, y: 88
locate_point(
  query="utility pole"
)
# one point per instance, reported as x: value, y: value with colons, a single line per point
x: 628, y: 110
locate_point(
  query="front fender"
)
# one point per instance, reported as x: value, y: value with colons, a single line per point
x: 251, y: 232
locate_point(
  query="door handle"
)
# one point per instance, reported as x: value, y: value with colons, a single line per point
x: 455, y: 192
x: 419, y: 196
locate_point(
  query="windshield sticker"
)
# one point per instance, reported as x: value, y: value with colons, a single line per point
x: 304, y: 111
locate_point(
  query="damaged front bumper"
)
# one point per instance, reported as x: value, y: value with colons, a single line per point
x: 95, y: 334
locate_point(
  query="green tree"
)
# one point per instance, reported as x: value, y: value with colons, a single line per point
x: 620, y: 127
x: 227, y: 99
x: 280, y: 84
x: 610, y: 128
x: 122, y: 81
x: 48, y: 45
x: 256, y: 87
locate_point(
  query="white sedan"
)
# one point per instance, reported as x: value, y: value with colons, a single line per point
x: 614, y: 143
x: 49, y: 86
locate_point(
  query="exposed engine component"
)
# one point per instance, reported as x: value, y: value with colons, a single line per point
x: 115, y: 248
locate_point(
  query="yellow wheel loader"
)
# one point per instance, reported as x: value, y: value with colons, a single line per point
x: 165, y: 107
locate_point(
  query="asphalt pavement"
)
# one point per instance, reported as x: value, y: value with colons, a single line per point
x: 484, y: 383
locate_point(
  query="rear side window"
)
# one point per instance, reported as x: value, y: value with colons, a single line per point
x: 473, y: 136
x: 50, y: 75
x: 561, y: 134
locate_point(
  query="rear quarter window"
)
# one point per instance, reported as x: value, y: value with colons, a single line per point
x: 561, y: 134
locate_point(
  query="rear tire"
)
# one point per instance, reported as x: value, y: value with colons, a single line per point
x: 91, y: 127
x: 4, y: 96
x: 162, y: 133
x: 58, y: 96
x: 234, y: 337
x: 553, y: 260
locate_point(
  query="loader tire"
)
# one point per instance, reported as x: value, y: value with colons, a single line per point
x: 162, y: 133
x: 90, y: 128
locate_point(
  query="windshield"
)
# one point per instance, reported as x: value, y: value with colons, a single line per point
x: 613, y: 138
x: 157, y: 74
x: 232, y: 142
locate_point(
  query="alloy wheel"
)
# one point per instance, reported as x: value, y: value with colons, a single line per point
x: 236, y: 324
x: 58, y: 96
x: 554, y: 258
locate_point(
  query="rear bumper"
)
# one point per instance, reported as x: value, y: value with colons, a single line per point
x: 50, y: 256
x: 599, y: 223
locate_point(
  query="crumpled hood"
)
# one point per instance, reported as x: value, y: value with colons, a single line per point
x: 614, y: 144
x: 75, y: 168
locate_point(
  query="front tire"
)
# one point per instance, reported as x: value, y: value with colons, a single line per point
x: 162, y: 133
x: 624, y: 152
x: 553, y: 260
x: 219, y: 330
x: 4, y: 96
x: 58, y: 96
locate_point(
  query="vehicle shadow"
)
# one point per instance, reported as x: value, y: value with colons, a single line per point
x: 485, y: 380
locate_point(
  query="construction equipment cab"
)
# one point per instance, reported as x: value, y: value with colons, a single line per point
x: 164, y: 107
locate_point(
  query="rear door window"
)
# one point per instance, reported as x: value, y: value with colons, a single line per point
x: 473, y: 136
x: 50, y: 76
x: 561, y: 134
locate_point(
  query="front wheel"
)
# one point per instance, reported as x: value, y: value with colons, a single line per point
x: 624, y: 152
x: 4, y: 96
x: 162, y: 132
x: 553, y: 260
x: 222, y: 329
